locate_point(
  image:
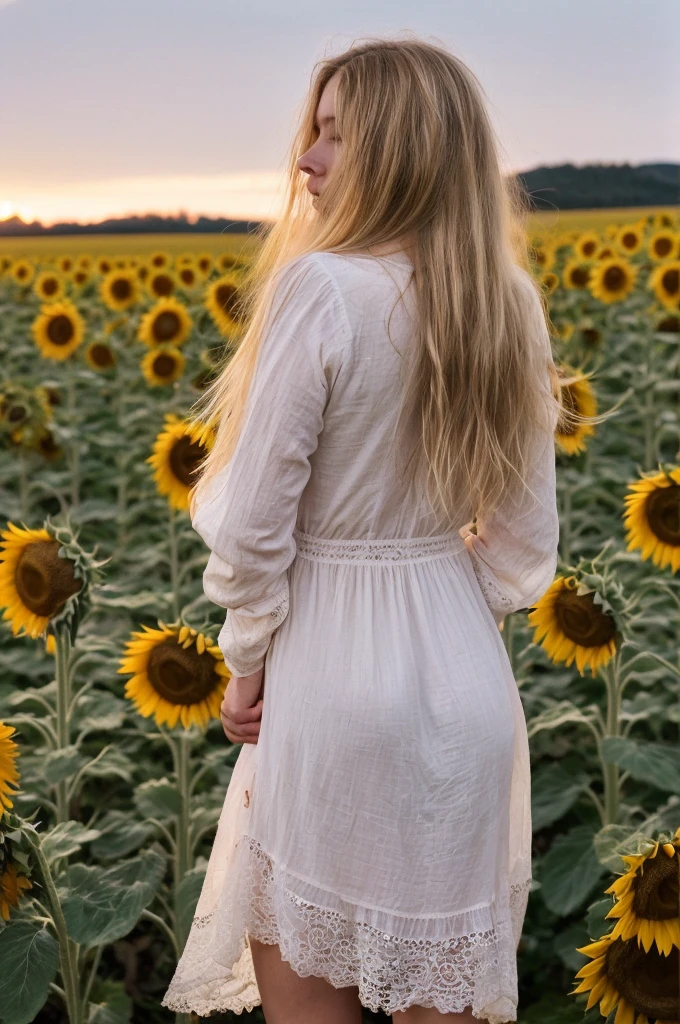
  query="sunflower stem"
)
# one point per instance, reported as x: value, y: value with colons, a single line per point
x: 174, y: 561
x: 565, y: 524
x: 68, y: 951
x: 74, y: 447
x: 122, y: 468
x: 649, y: 410
x: 182, y: 851
x: 611, y: 774
x: 24, y: 487
x: 63, y: 680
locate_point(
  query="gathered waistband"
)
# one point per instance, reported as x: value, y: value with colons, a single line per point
x: 369, y: 552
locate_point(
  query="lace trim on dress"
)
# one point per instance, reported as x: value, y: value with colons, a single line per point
x: 477, y: 969
x: 496, y: 598
x: 362, y: 551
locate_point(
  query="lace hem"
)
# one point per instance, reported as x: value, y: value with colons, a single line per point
x: 476, y: 969
x: 400, y: 549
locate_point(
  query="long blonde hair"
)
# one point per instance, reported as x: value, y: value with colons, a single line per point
x: 419, y: 158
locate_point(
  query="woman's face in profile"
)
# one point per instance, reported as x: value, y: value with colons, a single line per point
x: 318, y: 160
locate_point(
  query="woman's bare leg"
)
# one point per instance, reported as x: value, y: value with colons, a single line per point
x: 289, y: 999
x: 420, y: 1015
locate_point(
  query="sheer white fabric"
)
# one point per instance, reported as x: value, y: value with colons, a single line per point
x: 379, y: 831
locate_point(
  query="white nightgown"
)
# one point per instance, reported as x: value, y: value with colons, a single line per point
x: 379, y: 831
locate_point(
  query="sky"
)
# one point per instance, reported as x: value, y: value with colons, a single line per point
x: 113, y: 107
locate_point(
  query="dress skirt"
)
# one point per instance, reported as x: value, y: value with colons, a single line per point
x: 379, y: 831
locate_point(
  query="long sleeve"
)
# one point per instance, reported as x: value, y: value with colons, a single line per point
x: 514, y: 553
x: 249, y: 515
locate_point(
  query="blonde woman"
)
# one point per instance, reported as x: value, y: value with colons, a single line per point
x: 394, y: 381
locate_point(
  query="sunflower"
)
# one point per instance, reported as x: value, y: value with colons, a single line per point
x: 629, y: 239
x: 159, y: 260
x: 178, y: 675
x: 222, y: 301
x: 563, y: 329
x: 612, y: 280
x: 48, y: 285
x: 12, y: 884
x: 663, y: 245
x: 587, y: 245
x: 163, y: 365
x: 576, y: 274
x: 549, y: 282
x: 84, y: 261
x: 143, y: 272
x: 161, y: 283
x: 544, y: 256
x: 22, y: 271
x: 228, y: 261
x: 47, y: 446
x: 80, y: 276
x: 605, y: 253
x: 166, y: 323
x: 577, y: 397
x: 185, y: 259
x: 188, y: 275
x: 572, y: 626
x: 204, y: 262
x: 58, y: 330
x: 65, y: 264
x: 669, y: 324
x: 642, y: 987
x: 177, y: 453
x: 104, y: 265
x: 9, y: 775
x: 665, y: 281
x: 5, y: 264
x: 100, y: 356
x: 120, y: 289
x: 35, y: 583
x: 652, y: 518
x: 648, y: 898
x: 663, y: 220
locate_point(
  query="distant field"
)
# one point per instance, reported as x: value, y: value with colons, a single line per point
x: 115, y: 245
x: 100, y: 245
x: 595, y: 220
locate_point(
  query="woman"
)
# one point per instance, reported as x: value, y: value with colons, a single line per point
x: 395, y: 378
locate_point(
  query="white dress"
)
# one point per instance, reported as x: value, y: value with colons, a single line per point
x: 379, y: 831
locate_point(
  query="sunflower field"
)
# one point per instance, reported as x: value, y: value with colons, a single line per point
x: 113, y: 761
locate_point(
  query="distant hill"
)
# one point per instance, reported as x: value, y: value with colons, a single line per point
x: 595, y: 186
x: 148, y: 224
x: 562, y: 187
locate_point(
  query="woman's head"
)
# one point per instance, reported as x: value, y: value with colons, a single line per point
x: 395, y: 143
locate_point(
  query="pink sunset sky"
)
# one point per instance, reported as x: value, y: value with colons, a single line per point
x: 159, y: 106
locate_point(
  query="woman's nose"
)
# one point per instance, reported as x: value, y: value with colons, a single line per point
x: 309, y: 164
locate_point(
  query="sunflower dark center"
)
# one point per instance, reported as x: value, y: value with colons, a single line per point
x: 48, y: 446
x: 80, y: 277
x: 158, y: 261
x: 166, y: 326
x: 17, y: 413
x: 650, y: 982
x: 44, y: 582
x: 185, y: 456
x: 187, y: 275
x: 629, y: 240
x: 50, y: 286
x: 121, y: 289
x: 582, y: 621
x: 162, y: 284
x: 663, y: 246
x: 179, y: 675
x: 66, y: 264
x: 202, y: 379
x: 22, y: 271
x: 669, y: 325
x: 579, y: 276
x: 662, y: 509
x: 102, y: 356
x: 606, y: 254
x: 227, y: 298
x: 588, y: 248
x: 671, y: 281
x: 657, y: 888
x: 60, y: 329
x: 104, y: 266
x: 164, y: 365
x: 204, y: 265
x: 591, y: 335
x: 613, y: 279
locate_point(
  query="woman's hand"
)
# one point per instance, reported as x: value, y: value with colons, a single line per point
x: 241, y: 708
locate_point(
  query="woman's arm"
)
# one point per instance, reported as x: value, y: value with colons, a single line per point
x: 249, y: 516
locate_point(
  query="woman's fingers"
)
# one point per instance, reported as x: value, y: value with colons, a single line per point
x: 243, y: 715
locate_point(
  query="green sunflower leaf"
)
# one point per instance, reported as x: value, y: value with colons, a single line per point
x: 570, y: 871
x: 655, y: 763
x: 29, y: 957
